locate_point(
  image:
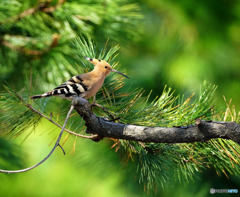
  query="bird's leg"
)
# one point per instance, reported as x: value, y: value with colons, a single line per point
x: 94, y: 104
x: 113, y: 116
x: 94, y: 99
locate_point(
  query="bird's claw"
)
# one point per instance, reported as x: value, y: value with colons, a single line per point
x: 113, y: 116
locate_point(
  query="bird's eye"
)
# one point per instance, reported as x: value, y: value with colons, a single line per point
x: 106, y: 67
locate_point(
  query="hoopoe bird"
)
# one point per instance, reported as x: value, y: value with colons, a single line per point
x: 84, y: 85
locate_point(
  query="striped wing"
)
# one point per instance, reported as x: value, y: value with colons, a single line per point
x: 72, y: 87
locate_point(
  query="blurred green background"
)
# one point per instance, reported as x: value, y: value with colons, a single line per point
x: 178, y: 43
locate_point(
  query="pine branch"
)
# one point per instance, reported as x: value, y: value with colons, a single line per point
x: 43, y: 6
x: 201, y: 131
x: 24, y: 50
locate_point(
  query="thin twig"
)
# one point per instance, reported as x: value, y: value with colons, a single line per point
x: 50, y: 120
x: 62, y: 149
x: 53, y: 149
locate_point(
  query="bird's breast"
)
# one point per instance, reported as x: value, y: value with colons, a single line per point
x: 95, y: 86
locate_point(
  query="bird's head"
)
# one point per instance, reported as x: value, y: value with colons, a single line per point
x: 103, y: 67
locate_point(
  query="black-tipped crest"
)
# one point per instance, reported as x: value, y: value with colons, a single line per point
x: 87, y: 58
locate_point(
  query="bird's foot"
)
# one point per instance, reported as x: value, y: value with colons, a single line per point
x: 113, y: 116
x: 94, y: 104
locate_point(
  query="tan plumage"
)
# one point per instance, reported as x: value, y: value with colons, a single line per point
x: 85, y: 85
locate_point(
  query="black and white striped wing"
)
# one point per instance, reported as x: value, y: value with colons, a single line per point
x: 73, y: 87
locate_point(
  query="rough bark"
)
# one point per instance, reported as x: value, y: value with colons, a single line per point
x: 201, y: 131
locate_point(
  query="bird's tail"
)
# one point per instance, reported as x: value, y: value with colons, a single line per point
x: 41, y: 95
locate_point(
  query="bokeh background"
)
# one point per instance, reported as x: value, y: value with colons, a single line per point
x: 180, y: 44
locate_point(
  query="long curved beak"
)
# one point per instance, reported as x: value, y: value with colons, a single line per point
x: 113, y: 70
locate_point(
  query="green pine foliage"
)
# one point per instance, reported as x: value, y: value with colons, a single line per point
x: 156, y: 163
x: 42, y: 44
x: 39, y: 35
